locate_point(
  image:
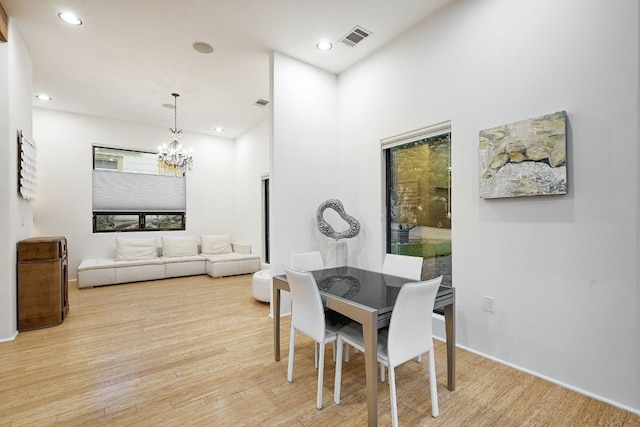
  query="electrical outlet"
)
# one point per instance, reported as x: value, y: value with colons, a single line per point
x: 487, y: 304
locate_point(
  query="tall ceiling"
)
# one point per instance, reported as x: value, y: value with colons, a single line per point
x: 128, y: 56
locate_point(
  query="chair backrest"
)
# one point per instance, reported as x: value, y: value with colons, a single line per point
x: 410, y: 327
x: 403, y: 266
x: 306, y: 261
x: 307, y: 312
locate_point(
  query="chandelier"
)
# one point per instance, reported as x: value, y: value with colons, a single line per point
x: 173, y: 157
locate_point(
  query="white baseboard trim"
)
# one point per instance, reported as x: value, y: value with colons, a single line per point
x: 15, y: 334
x: 551, y: 380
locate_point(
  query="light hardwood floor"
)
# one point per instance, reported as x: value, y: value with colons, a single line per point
x: 198, y: 351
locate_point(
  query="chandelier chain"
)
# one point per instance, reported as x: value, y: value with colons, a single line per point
x: 175, y: 111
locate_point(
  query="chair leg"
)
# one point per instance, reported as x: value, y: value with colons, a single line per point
x: 392, y: 395
x: 315, y: 355
x: 419, y: 358
x: 382, y: 372
x: 347, y: 353
x: 432, y: 382
x: 338, y: 378
x: 320, y: 375
x: 292, y: 344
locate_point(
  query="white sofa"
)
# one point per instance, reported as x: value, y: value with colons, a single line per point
x: 138, y: 260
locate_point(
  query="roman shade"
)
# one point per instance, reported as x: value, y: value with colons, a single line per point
x: 125, y: 192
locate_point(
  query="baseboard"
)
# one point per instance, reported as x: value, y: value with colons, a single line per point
x: 543, y: 377
x: 15, y: 334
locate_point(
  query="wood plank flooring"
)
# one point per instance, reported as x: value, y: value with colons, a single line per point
x: 198, y: 351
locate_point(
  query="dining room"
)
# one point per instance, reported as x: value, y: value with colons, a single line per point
x: 533, y: 341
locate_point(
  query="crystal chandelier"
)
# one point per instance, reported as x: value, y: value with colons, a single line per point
x: 173, y: 157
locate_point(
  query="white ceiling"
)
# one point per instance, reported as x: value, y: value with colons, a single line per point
x: 130, y: 55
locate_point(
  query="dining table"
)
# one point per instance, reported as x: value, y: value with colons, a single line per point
x: 368, y: 297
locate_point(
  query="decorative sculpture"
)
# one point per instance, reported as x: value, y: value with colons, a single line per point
x: 326, y: 229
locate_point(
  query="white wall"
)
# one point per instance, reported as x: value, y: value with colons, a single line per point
x: 563, y: 269
x: 304, y: 149
x: 64, y: 185
x: 252, y: 161
x: 7, y: 282
x: 15, y: 213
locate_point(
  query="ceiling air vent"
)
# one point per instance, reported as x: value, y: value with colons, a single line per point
x: 355, y: 36
x: 261, y: 102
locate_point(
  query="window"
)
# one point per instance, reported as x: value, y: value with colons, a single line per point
x: 137, y: 221
x: 418, y: 197
x: 265, y: 217
x: 130, y: 193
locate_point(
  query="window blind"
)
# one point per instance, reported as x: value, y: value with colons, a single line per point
x: 120, y: 191
x: 415, y: 135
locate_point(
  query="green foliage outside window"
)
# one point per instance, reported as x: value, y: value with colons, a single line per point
x: 419, y: 197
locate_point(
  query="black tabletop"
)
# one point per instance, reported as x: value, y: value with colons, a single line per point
x: 372, y: 289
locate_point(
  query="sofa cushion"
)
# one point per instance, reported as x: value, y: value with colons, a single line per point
x: 241, y: 248
x: 96, y: 264
x: 179, y: 246
x: 138, y: 262
x: 135, y: 249
x: 184, y: 266
x: 229, y: 257
x: 226, y: 265
x: 171, y: 260
x: 216, y: 244
x: 96, y: 272
x: 131, y: 272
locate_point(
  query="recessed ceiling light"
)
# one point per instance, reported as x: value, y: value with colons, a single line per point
x: 43, y: 97
x: 203, y: 47
x: 324, y: 45
x: 219, y: 129
x: 70, y: 18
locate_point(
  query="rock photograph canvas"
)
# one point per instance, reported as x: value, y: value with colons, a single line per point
x: 525, y: 158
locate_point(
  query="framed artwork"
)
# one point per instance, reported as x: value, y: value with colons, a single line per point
x: 525, y: 158
x: 26, y: 167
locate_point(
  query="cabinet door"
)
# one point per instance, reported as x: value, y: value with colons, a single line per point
x: 39, y: 294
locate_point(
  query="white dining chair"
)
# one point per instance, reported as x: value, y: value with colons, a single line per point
x: 306, y: 261
x: 310, y: 261
x: 402, y: 266
x: 409, y: 334
x: 307, y: 316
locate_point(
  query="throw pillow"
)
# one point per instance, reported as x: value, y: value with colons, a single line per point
x: 179, y: 246
x: 216, y: 244
x: 133, y: 249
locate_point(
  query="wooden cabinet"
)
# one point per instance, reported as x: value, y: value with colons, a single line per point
x: 43, y: 291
